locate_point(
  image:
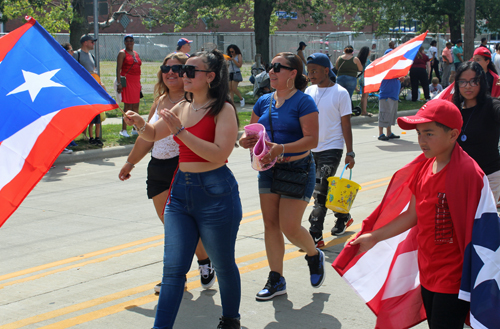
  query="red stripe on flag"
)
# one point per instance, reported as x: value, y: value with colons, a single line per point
x: 63, y: 128
x: 8, y: 41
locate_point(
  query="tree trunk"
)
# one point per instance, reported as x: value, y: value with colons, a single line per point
x: 79, y: 25
x: 455, y: 27
x: 262, y: 17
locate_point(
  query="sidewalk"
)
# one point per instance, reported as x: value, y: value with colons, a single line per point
x: 111, y: 152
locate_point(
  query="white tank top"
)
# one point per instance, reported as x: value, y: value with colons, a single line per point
x: 165, y: 148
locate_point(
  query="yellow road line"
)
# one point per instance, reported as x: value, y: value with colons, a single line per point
x: 376, y: 181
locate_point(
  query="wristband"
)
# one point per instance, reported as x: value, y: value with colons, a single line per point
x: 179, y: 131
x: 133, y: 165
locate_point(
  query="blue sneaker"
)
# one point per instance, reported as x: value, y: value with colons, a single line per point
x: 275, y: 286
x: 317, y: 268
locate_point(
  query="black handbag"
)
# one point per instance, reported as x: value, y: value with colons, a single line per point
x: 288, y: 181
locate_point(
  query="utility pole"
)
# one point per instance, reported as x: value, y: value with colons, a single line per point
x: 469, y: 28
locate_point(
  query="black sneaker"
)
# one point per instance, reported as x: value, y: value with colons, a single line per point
x: 383, y: 137
x: 92, y: 140
x: 228, y: 323
x: 97, y: 141
x: 207, y: 273
x: 341, y: 225
x: 318, y: 239
x: 275, y: 286
x: 316, y: 268
x: 392, y: 136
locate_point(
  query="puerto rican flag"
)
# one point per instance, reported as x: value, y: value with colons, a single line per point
x: 387, y: 276
x: 393, y: 65
x: 47, y: 99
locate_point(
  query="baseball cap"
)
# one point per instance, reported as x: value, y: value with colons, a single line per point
x: 323, y: 60
x: 87, y: 37
x: 459, y: 41
x: 183, y: 41
x: 128, y: 36
x: 437, y: 110
x: 483, y: 51
x: 302, y: 43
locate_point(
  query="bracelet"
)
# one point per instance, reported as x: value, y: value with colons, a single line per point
x: 133, y: 165
x: 179, y: 131
x: 281, y: 156
x: 142, y: 129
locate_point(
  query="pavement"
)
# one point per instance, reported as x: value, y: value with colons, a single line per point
x: 84, y: 250
x: 111, y: 152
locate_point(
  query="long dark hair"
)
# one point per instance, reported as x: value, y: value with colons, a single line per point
x: 491, y: 65
x: 219, y: 87
x: 295, y: 62
x: 237, y: 50
x: 483, y: 96
x: 363, y: 55
x: 160, y: 87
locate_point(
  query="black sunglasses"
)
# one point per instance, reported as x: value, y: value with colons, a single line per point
x: 190, y: 71
x: 278, y: 66
x: 167, y: 68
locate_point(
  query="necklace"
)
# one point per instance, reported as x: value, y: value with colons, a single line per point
x: 276, y: 98
x: 464, y: 136
x: 174, y: 102
x: 197, y: 109
x: 323, y: 94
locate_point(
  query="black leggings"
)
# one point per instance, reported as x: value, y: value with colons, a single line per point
x: 444, y: 311
x: 417, y: 75
x: 435, y: 67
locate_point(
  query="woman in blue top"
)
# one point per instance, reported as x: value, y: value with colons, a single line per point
x: 295, y: 130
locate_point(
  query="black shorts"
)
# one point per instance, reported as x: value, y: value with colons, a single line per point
x: 160, y: 174
x: 96, y: 120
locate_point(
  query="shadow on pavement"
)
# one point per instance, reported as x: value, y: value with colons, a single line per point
x: 399, y: 145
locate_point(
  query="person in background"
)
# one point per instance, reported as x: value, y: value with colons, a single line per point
x: 128, y: 65
x: 435, y: 88
x: 482, y: 56
x: 363, y: 56
x: 458, y: 53
x: 184, y: 46
x: 418, y: 73
x: 484, y: 43
x: 235, y: 61
x: 348, y: 67
x: 433, y: 51
x: 87, y: 60
x: 496, y: 57
x: 388, y: 104
x: 334, y: 107
x: 169, y: 91
x: 69, y: 49
x: 447, y: 65
x: 300, y: 53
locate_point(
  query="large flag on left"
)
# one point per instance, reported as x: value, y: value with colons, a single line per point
x: 46, y: 100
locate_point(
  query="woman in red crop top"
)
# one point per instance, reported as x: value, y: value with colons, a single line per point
x: 204, y: 199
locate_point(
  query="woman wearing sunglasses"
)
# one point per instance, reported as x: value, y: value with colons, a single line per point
x: 481, y: 115
x: 204, y: 199
x: 235, y: 61
x: 294, y: 132
x: 169, y: 91
x: 128, y: 68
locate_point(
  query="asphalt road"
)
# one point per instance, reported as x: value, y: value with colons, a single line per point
x: 84, y: 250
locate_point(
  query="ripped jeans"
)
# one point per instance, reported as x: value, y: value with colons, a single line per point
x: 327, y: 163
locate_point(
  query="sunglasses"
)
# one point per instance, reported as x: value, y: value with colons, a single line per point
x: 190, y: 71
x: 276, y: 67
x: 167, y: 68
x: 472, y: 83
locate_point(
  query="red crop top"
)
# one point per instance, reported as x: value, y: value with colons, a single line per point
x: 204, y: 129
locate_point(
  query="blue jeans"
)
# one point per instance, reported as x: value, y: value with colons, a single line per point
x: 348, y: 83
x: 205, y: 205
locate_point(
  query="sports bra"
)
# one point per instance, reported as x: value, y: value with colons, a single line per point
x: 165, y: 148
x: 204, y: 129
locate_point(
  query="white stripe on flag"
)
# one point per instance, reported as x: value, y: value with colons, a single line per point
x: 399, y: 52
x: 370, y: 272
x: 15, y: 149
x: 404, y: 275
x: 487, y: 203
x: 400, y: 65
x: 476, y: 324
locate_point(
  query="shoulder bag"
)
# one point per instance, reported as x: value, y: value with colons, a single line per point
x: 288, y: 181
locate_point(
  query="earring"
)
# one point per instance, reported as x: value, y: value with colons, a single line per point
x: 209, y: 87
x: 287, y: 83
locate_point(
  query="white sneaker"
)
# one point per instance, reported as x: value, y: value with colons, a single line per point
x: 242, y: 102
x: 124, y: 133
x: 67, y: 151
x: 134, y: 132
x: 157, y: 288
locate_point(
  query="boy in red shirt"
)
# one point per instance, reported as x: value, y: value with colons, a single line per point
x: 440, y: 242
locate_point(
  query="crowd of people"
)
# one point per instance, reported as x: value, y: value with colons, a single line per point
x: 193, y: 125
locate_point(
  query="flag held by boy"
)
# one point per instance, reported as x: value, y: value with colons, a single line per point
x: 47, y: 100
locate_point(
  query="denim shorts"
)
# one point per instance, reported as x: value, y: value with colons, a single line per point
x: 266, y: 178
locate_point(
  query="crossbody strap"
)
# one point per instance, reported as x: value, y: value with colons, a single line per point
x: 133, y: 56
x: 270, y: 119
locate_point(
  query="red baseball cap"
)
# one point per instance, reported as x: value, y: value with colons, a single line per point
x: 437, y: 110
x: 483, y: 51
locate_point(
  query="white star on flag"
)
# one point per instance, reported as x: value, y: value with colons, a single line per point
x: 35, y: 82
x: 491, y: 267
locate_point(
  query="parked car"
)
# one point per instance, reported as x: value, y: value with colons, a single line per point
x: 149, y: 50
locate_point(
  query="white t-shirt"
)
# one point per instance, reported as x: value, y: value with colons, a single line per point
x: 432, y: 52
x: 496, y: 61
x: 333, y: 103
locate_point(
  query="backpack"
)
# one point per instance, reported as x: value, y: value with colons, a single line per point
x: 79, y: 51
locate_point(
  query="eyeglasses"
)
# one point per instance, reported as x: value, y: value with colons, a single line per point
x: 472, y: 83
x: 231, y: 51
x: 167, y: 68
x: 190, y: 71
x: 276, y: 67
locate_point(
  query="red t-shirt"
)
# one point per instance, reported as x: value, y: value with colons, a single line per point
x: 439, y: 257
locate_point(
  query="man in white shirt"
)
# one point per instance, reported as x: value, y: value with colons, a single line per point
x: 335, y: 109
x: 433, y: 51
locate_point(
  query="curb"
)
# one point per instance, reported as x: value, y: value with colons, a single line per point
x: 118, y: 151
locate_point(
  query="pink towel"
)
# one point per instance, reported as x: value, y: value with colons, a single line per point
x: 260, y: 149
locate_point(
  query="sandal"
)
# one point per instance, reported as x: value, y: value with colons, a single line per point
x: 367, y: 115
